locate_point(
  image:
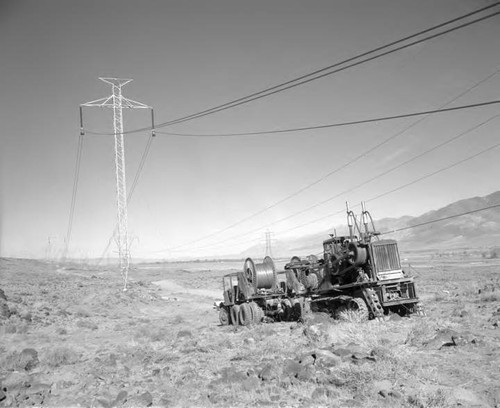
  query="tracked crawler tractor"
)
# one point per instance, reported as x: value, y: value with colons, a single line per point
x: 359, y: 272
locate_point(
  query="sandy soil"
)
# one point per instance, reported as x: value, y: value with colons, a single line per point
x: 72, y: 337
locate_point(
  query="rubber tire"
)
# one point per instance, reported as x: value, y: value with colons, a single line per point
x: 359, y: 305
x: 245, y: 315
x: 235, y: 315
x: 257, y: 313
x: 297, y: 311
x: 288, y: 310
x: 223, y: 316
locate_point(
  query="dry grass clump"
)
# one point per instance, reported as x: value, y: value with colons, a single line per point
x: 60, y: 356
x: 489, y: 297
x: 424, y: 330
x: 87, y: 324
x: 14, y: 325
x: 81, y: 312
x: 152, y: 333
x: 431, y: 399
x: 351, y: 316
x: 9, y: 361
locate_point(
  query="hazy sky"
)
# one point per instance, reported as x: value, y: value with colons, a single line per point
x: 186, y: 56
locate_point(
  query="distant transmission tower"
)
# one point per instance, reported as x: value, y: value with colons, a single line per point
x: 269, y: 251
x: 117, y: 102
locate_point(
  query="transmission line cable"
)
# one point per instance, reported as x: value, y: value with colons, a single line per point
x: 329, y: 73
x: 340, y: 124
x: 355, y: 159
x: 73, y: 195
x: 378, y: 196
x: 301, y: 80
x: 442, y: 219
x: 407, y: 184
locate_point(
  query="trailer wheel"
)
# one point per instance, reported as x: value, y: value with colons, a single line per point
x: 360, y: 308
x: 245, y: 314
x: 257, y: 313
x: 297, y: 311
x: 286, y: 305
x: 223, y: 316
x: 235, y: 313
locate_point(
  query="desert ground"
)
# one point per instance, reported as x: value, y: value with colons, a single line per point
x: 70, y: 336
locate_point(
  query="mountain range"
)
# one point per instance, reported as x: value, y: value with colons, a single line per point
x: 478, y: 229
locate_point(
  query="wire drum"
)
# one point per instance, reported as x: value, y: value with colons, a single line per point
x: 260, y: 275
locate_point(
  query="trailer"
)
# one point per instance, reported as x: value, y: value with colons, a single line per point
x: 359, y: 273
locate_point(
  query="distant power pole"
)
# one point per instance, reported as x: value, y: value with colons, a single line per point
x: 117, y: 102
x: 269, y: 251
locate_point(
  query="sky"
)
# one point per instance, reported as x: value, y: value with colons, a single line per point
x: 190, y: 55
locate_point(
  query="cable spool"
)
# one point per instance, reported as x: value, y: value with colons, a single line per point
x: 260, y: 276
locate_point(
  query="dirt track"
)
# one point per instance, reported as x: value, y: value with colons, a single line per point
x: 76, y: 339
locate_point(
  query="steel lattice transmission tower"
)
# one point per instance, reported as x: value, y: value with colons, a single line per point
x: 117, y: 102
x: 269, y: 251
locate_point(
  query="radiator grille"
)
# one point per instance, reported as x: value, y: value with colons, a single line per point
x: 386, y: 257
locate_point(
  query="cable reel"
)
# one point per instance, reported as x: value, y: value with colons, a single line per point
x: 262, y: 275
x: 357, y: 255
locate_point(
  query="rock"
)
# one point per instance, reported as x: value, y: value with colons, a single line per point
x: 306, y: 374
x: 382, y: 387
x: 143, y: 400
x: 250, y: 384
x: 269, y: 372
x: 103, y: 402
x: 250, y: 341
x: 28, y: 359
x: 343, y: 353
x: 120, y: 399
x: 323, y: 392
x: 325, y: 358
x: 4, y: 310
x: 184, y: 333
x: 166, y: 401
x: 382, y: 393
x: 307, y: 359
x: 443, y: 338
x: 467, y: 398
x: 229, y: 376
x: 395, y: 394
x: 314, y: 332
x: 291, y: 368
x: 350, y: 403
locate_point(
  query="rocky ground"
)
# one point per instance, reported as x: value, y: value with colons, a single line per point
x: 69, y: 336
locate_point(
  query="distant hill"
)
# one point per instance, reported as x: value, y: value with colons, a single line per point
x: 480, y: 229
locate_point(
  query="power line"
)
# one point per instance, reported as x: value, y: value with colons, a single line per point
x: 441, y: 219
x: 495, y: 146
x: 373, y: 198
x: 307, y: 78
x: 73, y: 194
x: 364, y: 154
x: 340, y: 124
x: 196, y: 116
